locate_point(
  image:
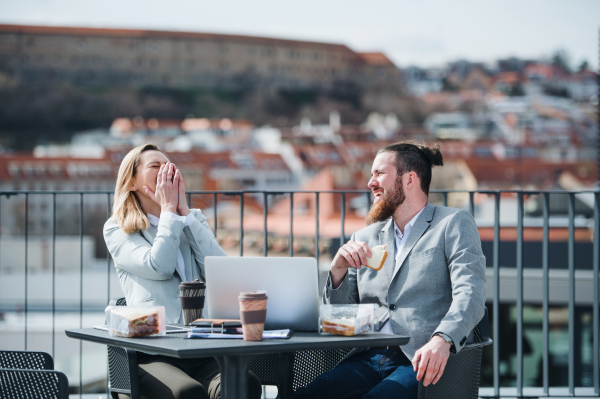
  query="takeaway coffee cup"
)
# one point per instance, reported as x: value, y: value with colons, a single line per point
x: 191, y: 294
x: 253, y: 312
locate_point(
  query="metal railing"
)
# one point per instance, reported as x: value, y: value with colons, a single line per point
x: 518, y: 388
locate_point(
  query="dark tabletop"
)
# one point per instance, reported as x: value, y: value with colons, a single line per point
x: 178, y: 345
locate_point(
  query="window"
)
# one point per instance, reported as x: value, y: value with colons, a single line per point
x: 81, y: 46
x: 154, y: 48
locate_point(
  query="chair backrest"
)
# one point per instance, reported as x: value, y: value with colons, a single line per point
x: 122, y: 365
x: 28, y: 360
x: 461, y: 376
x: 481, y: 332
x: 310, y: 364
x: 16, y: 383
x: 29, y: 374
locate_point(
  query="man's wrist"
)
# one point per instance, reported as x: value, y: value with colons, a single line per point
x: 446, y: 339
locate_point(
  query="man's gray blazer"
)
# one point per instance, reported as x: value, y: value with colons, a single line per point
x: 146, y: 261
x: 440, y: 286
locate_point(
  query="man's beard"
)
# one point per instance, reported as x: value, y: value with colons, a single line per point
x: 386, y: 207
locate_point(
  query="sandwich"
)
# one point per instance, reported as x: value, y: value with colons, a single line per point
x: 134, y: 322
x: 377, y: 259
x: 339, y: 326
x: 346, y: 326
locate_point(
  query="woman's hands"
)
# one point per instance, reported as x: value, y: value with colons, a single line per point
x: 170, y: 190
x: 182, y: 206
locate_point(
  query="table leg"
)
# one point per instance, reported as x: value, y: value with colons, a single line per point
x: 234, y: 375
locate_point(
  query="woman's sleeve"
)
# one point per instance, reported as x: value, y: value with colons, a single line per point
x: 201, y: 237
x: 132, y: 253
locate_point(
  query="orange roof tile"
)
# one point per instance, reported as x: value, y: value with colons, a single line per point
x: 377, y: 58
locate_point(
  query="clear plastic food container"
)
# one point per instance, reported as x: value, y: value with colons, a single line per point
x: 346, y: 319
x: 128, y: 321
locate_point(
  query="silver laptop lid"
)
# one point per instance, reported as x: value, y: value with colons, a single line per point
x: 291, y: 285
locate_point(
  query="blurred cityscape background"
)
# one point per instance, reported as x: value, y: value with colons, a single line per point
x: 511, y: 93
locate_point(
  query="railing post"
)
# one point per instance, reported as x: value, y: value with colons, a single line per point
x: 343, y: 219
x: 26, y: 251
x: 546, y: 294
x: 496, y: 305
x: 596, y: 306
x: 215, y: 212
x: 265, y: 238
x: 471, y: 203
x: 108, y: 256
x: 520, y: 294
x: 80, y: 291
x: 53, y: 269
x: 242, y: 223
x: 317, y: 229
x: 571, y: 294
x: 291, y: 239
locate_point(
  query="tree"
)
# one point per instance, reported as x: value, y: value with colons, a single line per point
x: 560, y: 59
x: 585, y: 66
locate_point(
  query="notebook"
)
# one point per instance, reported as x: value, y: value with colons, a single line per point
x: 291, y: 285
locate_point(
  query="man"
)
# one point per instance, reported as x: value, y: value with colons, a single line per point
x: 432, y: 285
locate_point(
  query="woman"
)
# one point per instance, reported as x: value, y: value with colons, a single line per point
x: 157, y: 242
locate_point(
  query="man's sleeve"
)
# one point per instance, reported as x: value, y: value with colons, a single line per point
x: 466, y: 265
x: 347, y: 292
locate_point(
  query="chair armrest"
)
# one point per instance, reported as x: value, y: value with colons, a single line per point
x: 467, y: 347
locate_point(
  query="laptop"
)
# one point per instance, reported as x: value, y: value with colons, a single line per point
x: 291, y: 285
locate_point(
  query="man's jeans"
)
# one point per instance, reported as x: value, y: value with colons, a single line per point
x: 376, y: 373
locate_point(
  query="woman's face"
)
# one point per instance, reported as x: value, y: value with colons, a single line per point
x: 147, y: 171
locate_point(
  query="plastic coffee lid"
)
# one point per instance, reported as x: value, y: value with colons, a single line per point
x: 252, y: 296
x: 192, y: 285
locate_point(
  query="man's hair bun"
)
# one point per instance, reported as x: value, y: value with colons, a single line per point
x: 433, y: 154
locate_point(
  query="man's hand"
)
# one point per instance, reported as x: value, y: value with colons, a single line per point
x: 351, y: 254
x: 431, y: 360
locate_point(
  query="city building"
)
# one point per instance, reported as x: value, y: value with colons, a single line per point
x: 145, y: 58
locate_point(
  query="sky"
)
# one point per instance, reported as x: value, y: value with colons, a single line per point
x: 418, y: 32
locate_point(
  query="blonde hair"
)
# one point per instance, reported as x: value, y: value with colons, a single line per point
x: 126, y: 208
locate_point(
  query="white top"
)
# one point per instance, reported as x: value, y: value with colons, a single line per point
x: 400, y: 241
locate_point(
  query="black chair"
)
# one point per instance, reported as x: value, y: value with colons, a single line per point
x: 460, y: 379
x: 122, y: 366
x: 461, y: 376
x: 28, y: 374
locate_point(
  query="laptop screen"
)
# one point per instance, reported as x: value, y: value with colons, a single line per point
x: 291, y: 285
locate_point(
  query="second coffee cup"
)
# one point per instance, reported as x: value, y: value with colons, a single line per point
x: 191, y: 294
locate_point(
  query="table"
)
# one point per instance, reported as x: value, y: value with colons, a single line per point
x: 235, y: 355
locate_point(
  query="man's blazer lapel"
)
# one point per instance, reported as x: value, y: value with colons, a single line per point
x: 420, y: 227
x: 386, y: 237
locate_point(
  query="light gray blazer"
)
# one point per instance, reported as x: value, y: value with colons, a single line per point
x: 440, y: 286
x: 146, y: 261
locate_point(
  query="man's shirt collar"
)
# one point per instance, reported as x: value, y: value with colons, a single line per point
x: 408, y: 226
